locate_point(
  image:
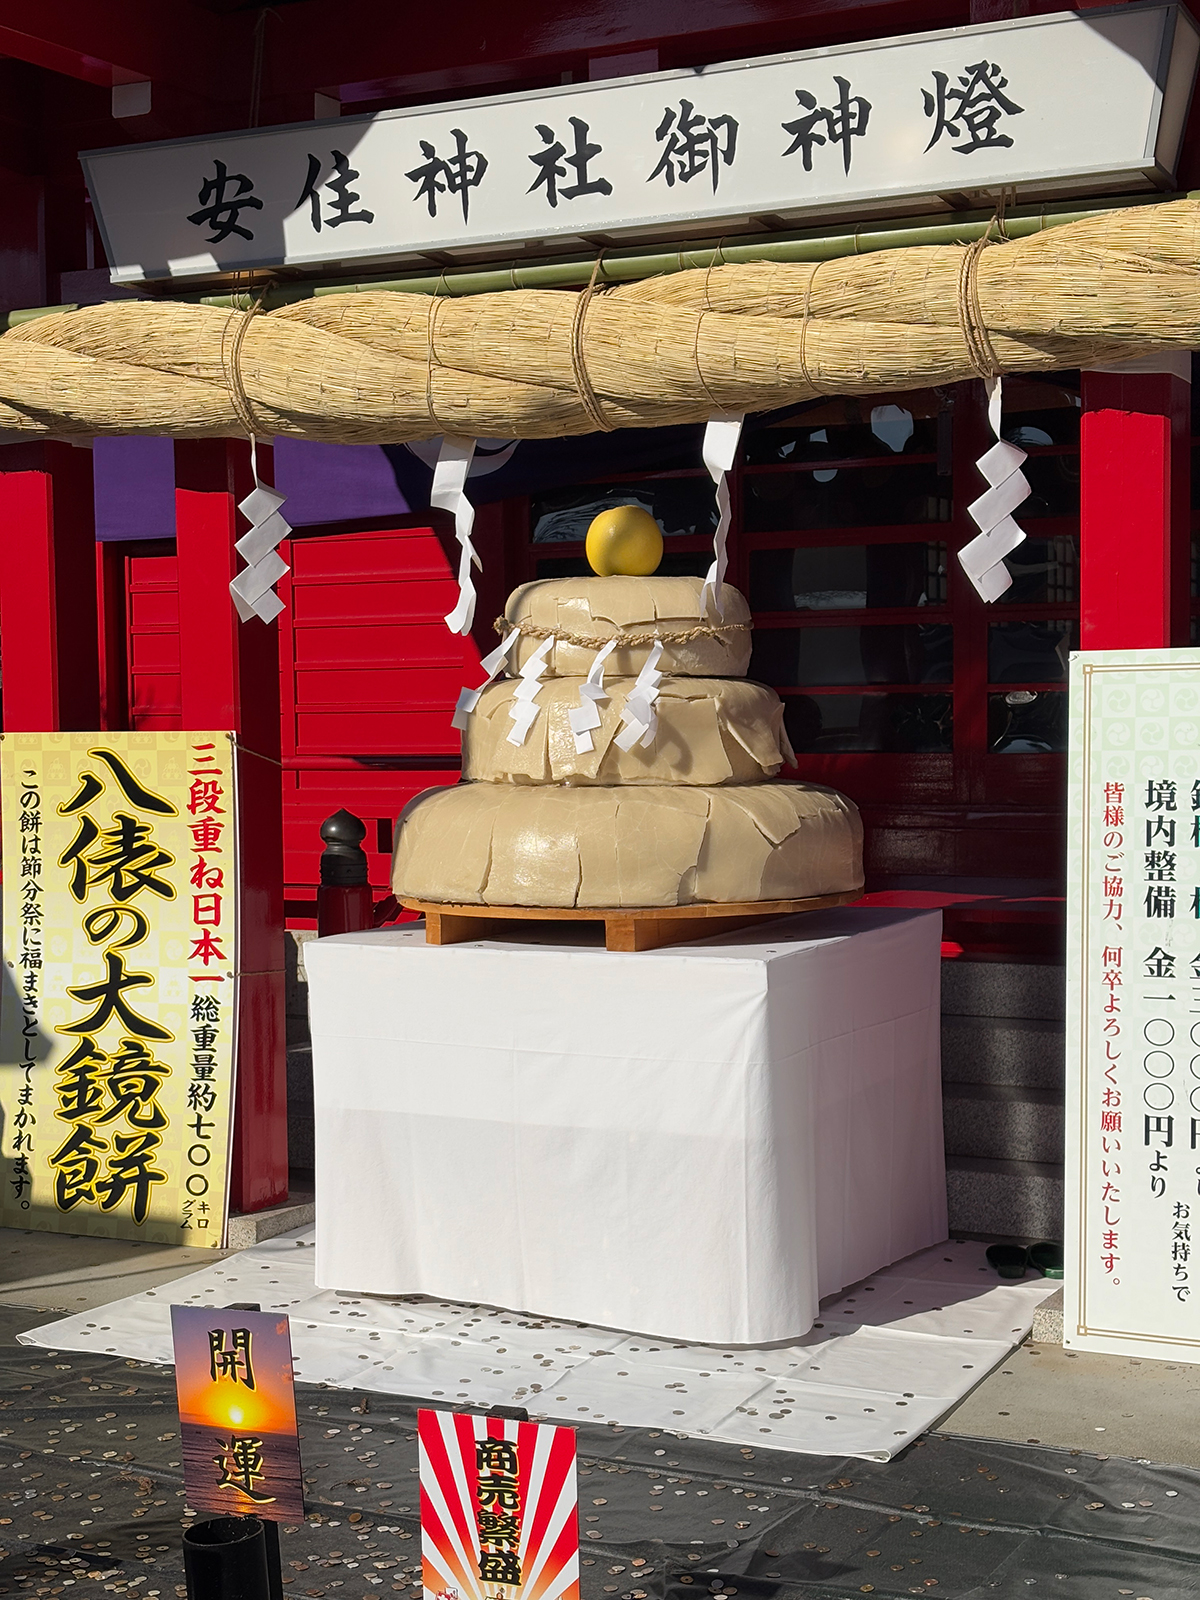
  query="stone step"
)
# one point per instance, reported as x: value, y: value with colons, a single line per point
x: 1026, y: 1052
x: 1048, y: 1320
x: 247, y: 1228
x: 1002, y: 1121
x: 1021, y: 1199
x: 1003, y: 989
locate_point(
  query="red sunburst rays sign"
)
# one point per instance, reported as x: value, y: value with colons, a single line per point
x: 499, y: 1509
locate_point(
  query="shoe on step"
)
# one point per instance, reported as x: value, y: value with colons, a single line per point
x: 1046, y: 1257
x: 1009, y: 1260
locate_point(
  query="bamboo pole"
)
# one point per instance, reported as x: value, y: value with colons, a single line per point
x: 576, y: 273
x: 650, y: 262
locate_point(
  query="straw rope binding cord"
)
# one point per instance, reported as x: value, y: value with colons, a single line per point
x: 435, y: 307
x: 232, y: 366
x: 970, y: 318
x: 970, y: 315
x: 583, y: 383
x: 804, y: 319
x: 717, y: 259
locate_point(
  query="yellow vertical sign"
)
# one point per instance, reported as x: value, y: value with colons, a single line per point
x: 118, y: 993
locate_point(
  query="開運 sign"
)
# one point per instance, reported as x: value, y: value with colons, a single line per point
x: 237, y: 1412
x: 118, y: 996
x: 1074, y: 102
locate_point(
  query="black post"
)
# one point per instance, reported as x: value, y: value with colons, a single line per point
x: 227, y: 1558
x: 274, y: 1570
x: 345, y: 903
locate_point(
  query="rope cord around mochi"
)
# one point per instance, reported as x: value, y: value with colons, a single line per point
x: 702, y: 630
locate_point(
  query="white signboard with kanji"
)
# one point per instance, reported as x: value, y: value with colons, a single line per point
x: 1133, y: 1005
x: 1074, y: 102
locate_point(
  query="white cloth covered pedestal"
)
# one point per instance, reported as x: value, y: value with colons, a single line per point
x: 696, y: 1143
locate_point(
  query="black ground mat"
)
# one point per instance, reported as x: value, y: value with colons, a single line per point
x: 91, y: 1502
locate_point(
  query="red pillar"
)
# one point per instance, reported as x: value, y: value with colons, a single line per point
x: 1134, y: 514
x: 51, y: 678
x: 230, y: 679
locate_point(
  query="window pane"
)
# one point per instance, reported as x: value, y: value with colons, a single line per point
x: 681, y: 505
x: 1054, y: 482
x: 839, y: 577
x: 888, y: 654
x: 879, y: 430
x: 1032, y: 428
x: 1030, y: 652
x: 674, y: 564
x: 1043, y: 570
x: 845, y: 497
x: 828, y: 723
x: 1042, y: 411
x: 1026, y: 723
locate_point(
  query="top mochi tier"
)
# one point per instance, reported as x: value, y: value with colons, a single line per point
x: 600, y: 609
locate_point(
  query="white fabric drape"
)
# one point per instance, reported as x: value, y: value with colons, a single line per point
x: 696, y: 1142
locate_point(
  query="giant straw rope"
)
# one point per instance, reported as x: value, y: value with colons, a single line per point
x: 370, y: 368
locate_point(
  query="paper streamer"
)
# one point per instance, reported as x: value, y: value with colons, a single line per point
x: 490, y: 454
x: 983, y: 559
x: 449, y: 494
x: 492, y: 664
x: 253, y: 590
x: 524, y: 708
x: 585, y: 719
x: 639, y: 718
x: 720, y: 449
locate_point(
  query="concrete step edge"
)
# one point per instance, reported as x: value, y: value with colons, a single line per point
x: 961, y: 1022
x: 1051, y: 1170
x: 1017, y: 1093
x: 247, y: 1228
x: 1048, y: 1320
x: 1019, y: 990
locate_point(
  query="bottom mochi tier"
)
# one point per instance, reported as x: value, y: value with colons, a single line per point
x: 650, y: 845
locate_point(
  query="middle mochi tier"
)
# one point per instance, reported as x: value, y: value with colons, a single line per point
x: 710, y: 731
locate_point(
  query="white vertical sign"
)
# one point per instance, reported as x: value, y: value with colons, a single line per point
x: 1133, y: 1005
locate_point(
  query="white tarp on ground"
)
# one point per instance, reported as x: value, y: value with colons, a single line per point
x: 885, y: 1361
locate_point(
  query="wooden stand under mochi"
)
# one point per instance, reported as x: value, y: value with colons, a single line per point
x: 625, y: 927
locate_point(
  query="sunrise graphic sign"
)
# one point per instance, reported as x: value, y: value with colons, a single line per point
x: 237, y: 1412
x: 499, y: 1509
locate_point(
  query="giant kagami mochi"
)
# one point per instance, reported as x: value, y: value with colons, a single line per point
x: 620, y: 758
